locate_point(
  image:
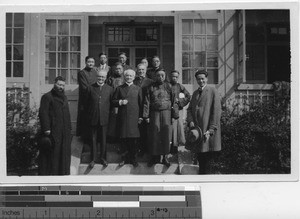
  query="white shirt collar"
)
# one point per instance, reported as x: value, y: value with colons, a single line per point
x: 129, y: 83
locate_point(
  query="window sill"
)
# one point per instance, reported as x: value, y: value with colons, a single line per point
x: 255, y: 87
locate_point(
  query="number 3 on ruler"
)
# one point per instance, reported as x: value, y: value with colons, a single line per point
x: 152, y: 212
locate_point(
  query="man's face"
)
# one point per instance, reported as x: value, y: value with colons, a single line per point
x: 59, y: 86
x: 144, y: 62
x: 122, y: 59
x: 142, y: 70
x: 174, y: 77
x: 101, y: 77
x: 129, y: 76
x: 160, y: 76
x: 103, y: 59
x: 119, y: 69
x: 156, y: 62
x: 201, y: 80
x: 90, y: 63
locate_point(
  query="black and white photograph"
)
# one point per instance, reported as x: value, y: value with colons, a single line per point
x: 180, y: 93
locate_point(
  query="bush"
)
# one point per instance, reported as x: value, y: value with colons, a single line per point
x: 21, y: 129
x: 258, y: 141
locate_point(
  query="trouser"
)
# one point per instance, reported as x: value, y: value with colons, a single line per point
x: 130, y: 145
x: 142, y: 141
x: 205, y: 162
x: 99, y: 141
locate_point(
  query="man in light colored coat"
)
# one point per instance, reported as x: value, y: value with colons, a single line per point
x: 204, y: 111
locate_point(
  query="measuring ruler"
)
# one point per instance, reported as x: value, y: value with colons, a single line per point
x: 111, y: 202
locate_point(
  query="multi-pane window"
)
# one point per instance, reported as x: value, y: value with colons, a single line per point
x: 267, y: 46
x: 119, y: 34
x: 62, y: 49
x: 199, y: 48
x: 146, y: 34
x: 15, y: 45
x: 141, y: 53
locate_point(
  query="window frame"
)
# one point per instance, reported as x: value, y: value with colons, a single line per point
x: 178, y: 43
x: 83, y: 46
x: 26, y: 54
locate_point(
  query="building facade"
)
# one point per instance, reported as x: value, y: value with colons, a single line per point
x: 244, y: 51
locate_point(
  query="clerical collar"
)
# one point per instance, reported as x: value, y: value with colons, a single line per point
x: 129, y: 83
x: 100, y: 84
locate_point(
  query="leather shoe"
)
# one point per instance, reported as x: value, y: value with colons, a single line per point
x: 151, y: 162
x: 92, y: 164
x: 122, y: 163
x: 103, y: 162
x: 134, y: 163
x: 166, y: 163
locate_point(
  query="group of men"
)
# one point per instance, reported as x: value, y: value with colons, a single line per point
x: 139, y: 108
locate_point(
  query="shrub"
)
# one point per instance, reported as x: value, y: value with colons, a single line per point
x: 256, y: 141
x: 21, y: 129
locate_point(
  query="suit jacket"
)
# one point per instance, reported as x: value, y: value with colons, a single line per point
x: 99, y: 104
x: 205, y: 112
x: 128, y: 115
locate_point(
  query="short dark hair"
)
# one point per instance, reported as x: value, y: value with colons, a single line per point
x: 101, y: 54
x: 174, y: 71
x: 161, y: 69
x: 201, y: 71
x: 123, y: 53
x: 89, y: 57
x: 59, y: 78
x: 156, y: 56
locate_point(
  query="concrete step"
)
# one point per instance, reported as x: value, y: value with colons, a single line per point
x: 142, y: 169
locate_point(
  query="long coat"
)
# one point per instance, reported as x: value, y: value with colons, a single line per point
x: 159, y: 100
x: 85, y: 78
x: 205, y: 112
x: 55, y: 116
x: 129, y: 114
x: 114, y: 81
x: 99, y: 104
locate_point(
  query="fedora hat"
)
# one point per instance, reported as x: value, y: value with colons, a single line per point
x: 45, y: 143
x: 195, y: 134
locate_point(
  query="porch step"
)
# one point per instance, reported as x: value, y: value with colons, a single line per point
x: 142, y: 169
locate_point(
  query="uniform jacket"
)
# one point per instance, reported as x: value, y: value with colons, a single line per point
x: 128, y: 115
x: 205, y: 111
x: 99, y: 104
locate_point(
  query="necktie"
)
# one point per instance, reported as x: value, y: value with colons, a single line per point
x: 200, y: 91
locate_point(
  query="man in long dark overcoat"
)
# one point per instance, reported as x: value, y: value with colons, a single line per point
x: 204, y: 111
x: 56, y: 125
x: 143, y: 82
x: 85, y: 77
x: 99, y: 102
x: 128, y: 99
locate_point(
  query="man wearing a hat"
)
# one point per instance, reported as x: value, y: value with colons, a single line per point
x: 203, y: 119
x: 55, y: 140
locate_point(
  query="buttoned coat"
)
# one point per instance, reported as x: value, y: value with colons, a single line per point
x: 54, y: 115
x: 128, y: 115
x: 99, y: 104
x: 205, y: 112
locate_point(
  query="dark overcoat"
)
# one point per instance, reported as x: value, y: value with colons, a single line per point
x: 85, y: 78
x: 205, y: 111
x: 128, y: 115
x: 54, y: 115
x: 114, y: 81
x: 159, y: 100
x: 99, y: 104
